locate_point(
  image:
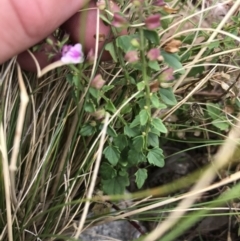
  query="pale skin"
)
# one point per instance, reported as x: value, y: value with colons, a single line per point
x: 24, y: 23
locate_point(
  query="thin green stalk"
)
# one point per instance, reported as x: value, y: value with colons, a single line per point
x: 146, y: 82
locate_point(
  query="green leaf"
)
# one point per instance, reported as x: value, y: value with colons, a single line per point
x: 153, y: 139
x: 186, y: 56
x: 110, y: 48
x: 156, y: 102
x: 213, y: 110
x: 168, y: 96
x: 124, y: 43
x: 154, y: 65
x: 104, y: 19
x: 143, y: 117
x: 157, y: 123
x: 69, y: 78
x: 111, y: 132
x: 213, y: 44
x: 165, y: 23
x: 112, y: 154
x: 116, y: 185
x: 154, y: 130
x: 237, y: 102
x: 123, y: 172
x: 135, y: 122
x: 75, y: 80
x: 110, y: 106
x: 106, y: 88
x: 140, y: 86
x: 120, y: 141
x: 152, y: 36
x: 235, y: 19
x: 135, y: 157
x: 142, y: 103
x: 89, y: 107
x: 196, y: 71
x: 123, y: 163
x: 137, y: 66
x: 155, y: 156
x: 173, y: 61
x: 223, y: 125
x: 87, y: 130
x: 107, y: 171
x: 141, y: 176
x: 126, y: 109
x: 130, y: 132
x: 138, y: 143
x: 94, y: 92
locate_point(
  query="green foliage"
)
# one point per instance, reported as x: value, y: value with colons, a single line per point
x: 156, y: 102
x: 130, y: 132
x: 141, y: 176
x: 65, y: 115
x: 154, y: 65
x: 125, y: 43
x: 213, y: 110
x: 221, y: 124
x: 218, y: 118
x: 110, y: 47
x: 107, y: 171
x: 152, y: 36
x: 138, y: 143
x: 167, y: 96
x: 121, y: 141
x: 110, y: 106
x: 158, y: 125
x: 153, y: 139
x: 87, y: 130
x: 143, y: 117
x: 112, y: 154
x: 135, y: 157
x: 89, y: 106
x: 173, y: 61
x: 115, y: 185
x: 155, y: 156
x: 111, y: 132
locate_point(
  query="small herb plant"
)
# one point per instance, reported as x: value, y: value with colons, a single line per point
x: 131, y: 99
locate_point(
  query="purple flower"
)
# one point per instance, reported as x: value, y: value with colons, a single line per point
x: 72, y: 54
x: 153, y: 54
x: 153, y: 21
x: 131, y: 56
x: 65, y: 49
x: 98, y: 82
x: 159, y: 3
x: 119, y: 21
x: 166, y: 75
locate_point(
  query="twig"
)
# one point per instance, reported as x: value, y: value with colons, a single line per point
x: 7, y: 184
x: 17, y: 139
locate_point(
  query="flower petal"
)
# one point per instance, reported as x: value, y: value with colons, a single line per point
x: 72, y: 54
x: 153, y: 21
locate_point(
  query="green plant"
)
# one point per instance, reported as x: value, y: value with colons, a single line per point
x: 123, y: 112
